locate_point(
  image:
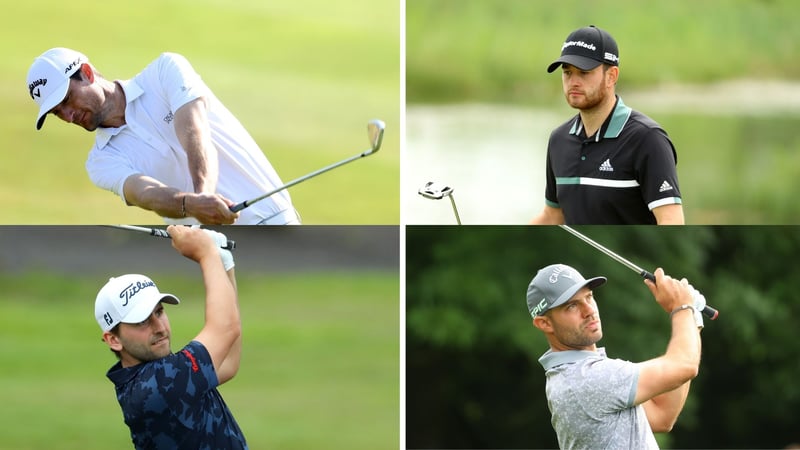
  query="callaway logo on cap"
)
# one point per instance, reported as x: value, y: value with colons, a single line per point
x: 48, y: 78
x: 129, y: 299
x: 587, y: 48
x: 555, y: 285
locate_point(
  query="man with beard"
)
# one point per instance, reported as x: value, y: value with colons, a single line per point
x: 598, y: 402
x: 170, y: 400
x: 609, y: 164
x: 163, y: 140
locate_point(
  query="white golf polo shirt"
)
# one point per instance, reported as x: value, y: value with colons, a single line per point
x: 147, y: 144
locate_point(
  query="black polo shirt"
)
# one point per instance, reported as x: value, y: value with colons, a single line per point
x: 617, y: 176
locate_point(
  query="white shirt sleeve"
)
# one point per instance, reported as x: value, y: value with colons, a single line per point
x: 109, y: 170
x: 180, y: 83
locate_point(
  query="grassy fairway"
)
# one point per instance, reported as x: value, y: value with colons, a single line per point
x: 319, y: 366
x: 304, y: 77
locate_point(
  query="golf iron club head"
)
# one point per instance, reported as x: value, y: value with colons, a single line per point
x: 438, y: 191
x: 375, y: 129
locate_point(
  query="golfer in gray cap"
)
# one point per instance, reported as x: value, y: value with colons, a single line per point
x: 599, y: 402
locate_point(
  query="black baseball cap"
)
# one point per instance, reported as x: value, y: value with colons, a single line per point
x: 587, y: 48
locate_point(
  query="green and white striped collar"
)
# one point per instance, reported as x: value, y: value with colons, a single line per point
x: 613, y: 124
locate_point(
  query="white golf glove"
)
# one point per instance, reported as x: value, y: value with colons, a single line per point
x: 699, y: 303
x: 221, y: 240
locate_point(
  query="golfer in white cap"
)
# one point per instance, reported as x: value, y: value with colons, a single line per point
x: 163, y: 142
x: 599, y: 402
x: 170, y: 400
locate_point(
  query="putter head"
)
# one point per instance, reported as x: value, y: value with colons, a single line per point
x: 435, y: 191
x: 375, y: 129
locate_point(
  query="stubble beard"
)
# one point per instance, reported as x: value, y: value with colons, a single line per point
x: 146, y: 352
x: 580, y: 337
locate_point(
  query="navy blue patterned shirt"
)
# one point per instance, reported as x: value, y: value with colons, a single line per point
x: 173, y: 403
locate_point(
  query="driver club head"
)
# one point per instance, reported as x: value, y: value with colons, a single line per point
x: 375, y: 129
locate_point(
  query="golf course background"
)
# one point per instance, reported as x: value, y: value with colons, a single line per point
x: 722, y: 77
x: 320, y: 358
x: 304, y: 77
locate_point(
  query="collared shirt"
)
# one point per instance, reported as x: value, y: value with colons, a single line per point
x: 591, y: 397
x: 618, y: 176
x: 147, y: 144
x: 172, y: 403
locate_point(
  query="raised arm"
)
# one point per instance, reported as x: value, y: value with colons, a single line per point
x: 664, y: 381
x: 221, y: 334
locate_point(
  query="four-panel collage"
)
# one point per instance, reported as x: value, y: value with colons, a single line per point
x: 413, y: 224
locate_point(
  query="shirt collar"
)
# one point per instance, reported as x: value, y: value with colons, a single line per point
x: 132, y: 92
x: 613, y: 125
x: 552, y: 359
x: 121, y: 375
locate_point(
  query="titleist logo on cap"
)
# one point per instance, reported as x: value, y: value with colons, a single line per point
x: 133, y: 289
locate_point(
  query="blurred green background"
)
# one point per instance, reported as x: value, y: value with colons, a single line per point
x: 320, y: 315
x: 473, y: 379
x: 304, y: 77
x: 720, y: 76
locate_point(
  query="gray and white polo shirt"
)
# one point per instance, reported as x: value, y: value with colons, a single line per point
x: 590, y: 397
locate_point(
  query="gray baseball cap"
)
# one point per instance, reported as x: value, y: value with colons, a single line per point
x: 554, y: 285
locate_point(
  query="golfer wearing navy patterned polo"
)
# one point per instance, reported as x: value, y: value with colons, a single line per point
x: 170, y: 400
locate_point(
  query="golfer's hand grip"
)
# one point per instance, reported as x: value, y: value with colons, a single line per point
x: 238, y: 207
x: 708, y: 311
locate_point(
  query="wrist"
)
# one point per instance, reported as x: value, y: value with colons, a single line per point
x: 682, y: 308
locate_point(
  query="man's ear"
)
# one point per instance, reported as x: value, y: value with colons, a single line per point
x: 543, y: 323
x: 87, y: 72
x: 112, y: 340
x: 613, y: 75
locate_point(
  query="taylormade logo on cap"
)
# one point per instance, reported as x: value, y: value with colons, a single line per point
x: 48, y: 78
x: 129, y: 299
x: 554, y: 285
x: 587, y: 48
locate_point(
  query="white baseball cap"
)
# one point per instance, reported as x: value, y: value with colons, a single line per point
x: 48, y: 78
x: 129, y: 299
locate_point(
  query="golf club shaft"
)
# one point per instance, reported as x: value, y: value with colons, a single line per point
x: 708, y: 311
x: 161, y: 233
x: 375, y: 129
x: 455, y: 210
x: 240, y: 206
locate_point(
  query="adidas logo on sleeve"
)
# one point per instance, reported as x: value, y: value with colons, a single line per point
x: 665, y: 186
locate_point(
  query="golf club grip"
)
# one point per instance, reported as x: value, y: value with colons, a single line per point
x: 238, y: 207
x: 708, y: 311
x: 163, y: 233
